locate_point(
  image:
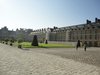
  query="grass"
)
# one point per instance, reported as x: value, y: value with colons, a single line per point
x: 42, y: 45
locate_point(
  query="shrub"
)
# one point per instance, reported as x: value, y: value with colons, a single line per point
x: 19, y: 46
x: 6, y: 40
x: 19, y: 43
x: 35, y: 41
x: 46, y: 41
x: 11, y: 44
x: 20, y: 40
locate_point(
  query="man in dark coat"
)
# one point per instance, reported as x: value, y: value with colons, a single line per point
x: 78, y: 44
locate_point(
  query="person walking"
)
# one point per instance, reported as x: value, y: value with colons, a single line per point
x: 85, y: 45
x: 78, y: 44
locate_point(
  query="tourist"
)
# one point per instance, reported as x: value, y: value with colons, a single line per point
x: 85, y: 45
x: 78, y: 44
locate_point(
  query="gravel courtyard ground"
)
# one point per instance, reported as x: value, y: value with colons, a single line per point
x: 41, y: 61
x: 91, y: 56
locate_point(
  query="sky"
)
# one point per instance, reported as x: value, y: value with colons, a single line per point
x: 37, y: 14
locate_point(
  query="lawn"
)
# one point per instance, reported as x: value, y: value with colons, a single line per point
x: 42, y: 45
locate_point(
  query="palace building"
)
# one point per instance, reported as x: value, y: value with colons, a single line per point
x: 89, y: 32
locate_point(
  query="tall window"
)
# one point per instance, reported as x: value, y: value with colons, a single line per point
x: 95, y: 34
x: 90, y: 35
x: 81, y: 35
x: 85, y: 34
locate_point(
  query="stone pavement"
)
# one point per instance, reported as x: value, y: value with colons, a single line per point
x: 91, y: 56
x: 14, y: 61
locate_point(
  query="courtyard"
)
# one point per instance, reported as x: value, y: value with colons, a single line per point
x: 49, y: 61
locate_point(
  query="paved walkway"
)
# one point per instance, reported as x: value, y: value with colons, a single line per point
x: 14, y: 61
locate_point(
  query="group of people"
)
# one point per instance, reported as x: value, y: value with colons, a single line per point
x: 79, y: 44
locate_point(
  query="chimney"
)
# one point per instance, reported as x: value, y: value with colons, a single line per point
x: 97, y: 20
x: 88, y: 21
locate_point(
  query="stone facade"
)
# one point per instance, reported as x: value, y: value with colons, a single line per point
x: 18, y: 34
x: 41, y: 34
x: 6, y: 34
x: 89, y: 32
